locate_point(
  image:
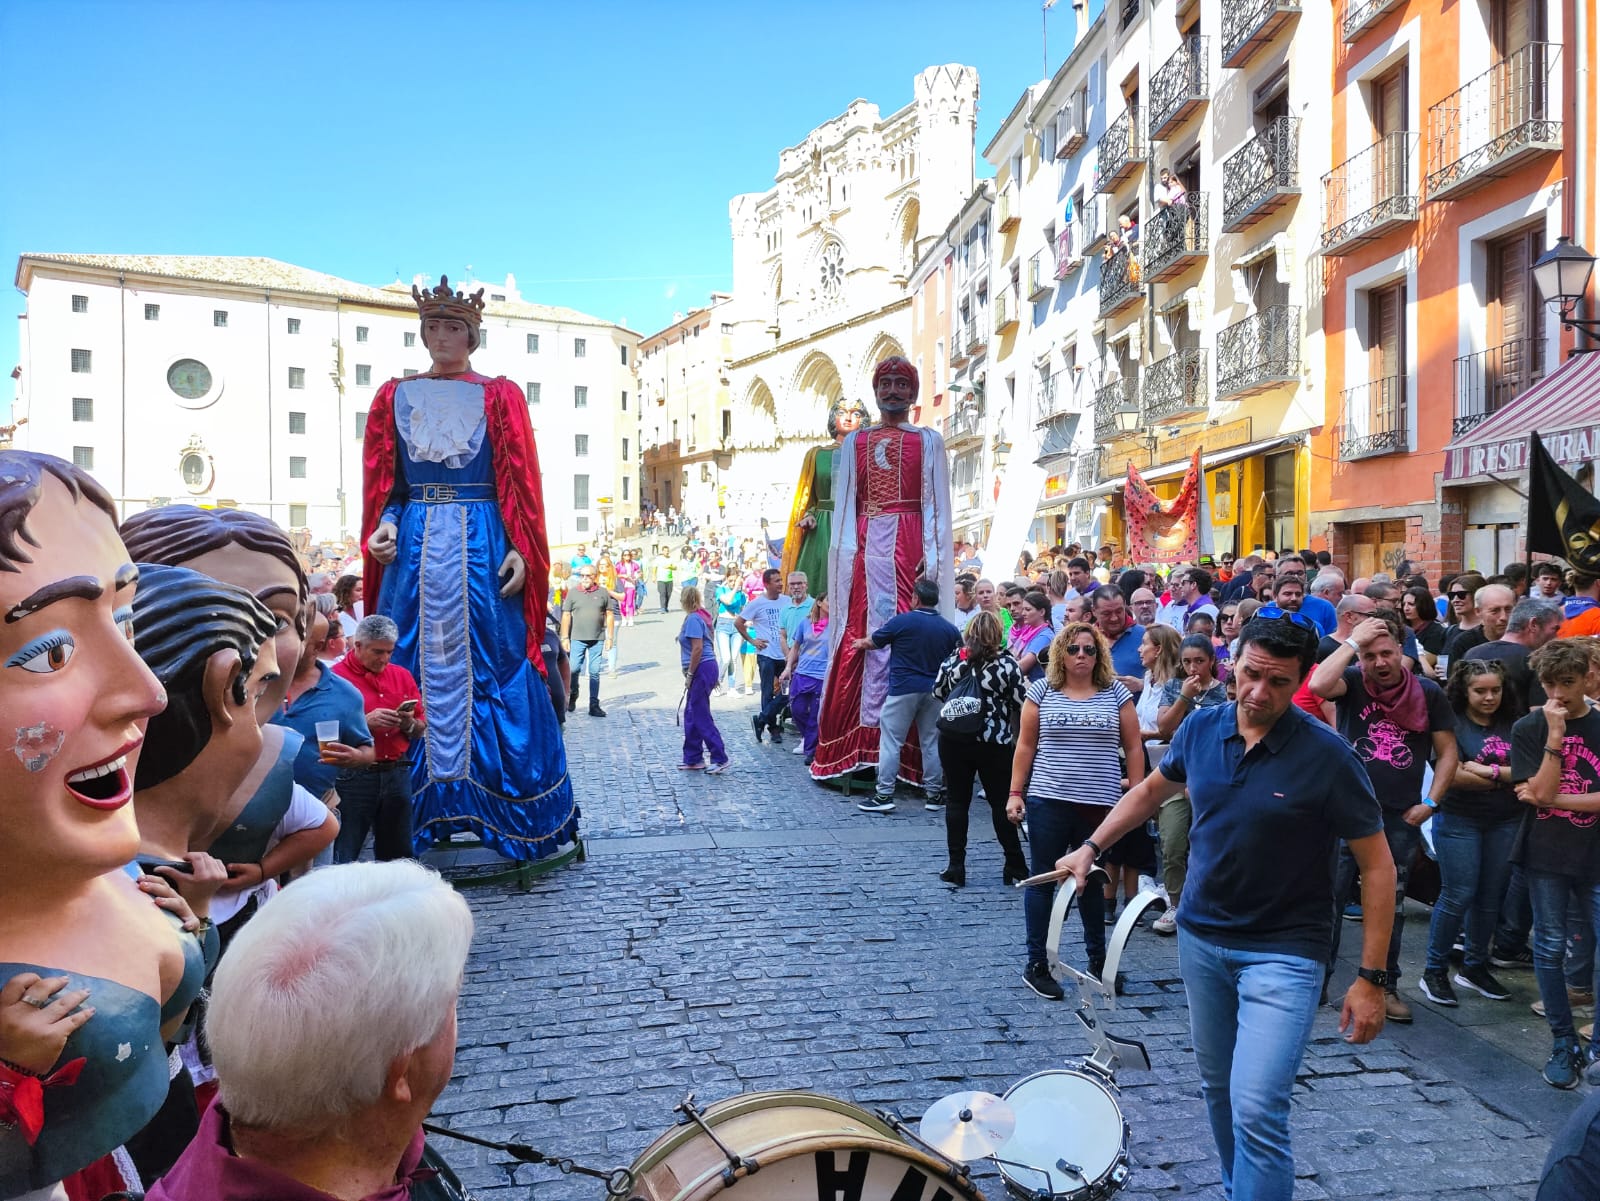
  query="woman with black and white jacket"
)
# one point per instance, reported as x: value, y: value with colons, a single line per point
x: 984, y: 668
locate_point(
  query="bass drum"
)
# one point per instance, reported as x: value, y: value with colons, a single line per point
x: 805, y: 1145
x: 1070, y: 1141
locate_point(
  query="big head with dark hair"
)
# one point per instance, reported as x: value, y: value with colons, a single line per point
x: 21, y: 475
x: 182, y: 620
x: 239, y: 548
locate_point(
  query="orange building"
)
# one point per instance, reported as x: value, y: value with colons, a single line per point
x: 1464, y: 131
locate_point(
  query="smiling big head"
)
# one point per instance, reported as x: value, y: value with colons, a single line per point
x: 75, y: 696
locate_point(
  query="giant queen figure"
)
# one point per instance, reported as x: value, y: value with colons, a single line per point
x: 891, y: 525
x: 453, y: 529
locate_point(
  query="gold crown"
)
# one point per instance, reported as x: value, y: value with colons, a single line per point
x: 442, y: 302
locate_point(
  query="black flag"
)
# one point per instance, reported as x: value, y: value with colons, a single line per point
x: 1563, y: 517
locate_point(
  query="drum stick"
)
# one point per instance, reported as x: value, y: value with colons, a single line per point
x: 1049, y: 877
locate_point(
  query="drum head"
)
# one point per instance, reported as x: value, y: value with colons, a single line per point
x: 1067, y: 1117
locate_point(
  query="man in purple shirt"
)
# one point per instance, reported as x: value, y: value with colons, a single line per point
x: 325, y: 1069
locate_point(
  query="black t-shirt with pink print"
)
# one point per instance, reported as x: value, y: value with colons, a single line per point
x: 1491, y: 746
x: 1395, y: 759
x: 1557, y: 840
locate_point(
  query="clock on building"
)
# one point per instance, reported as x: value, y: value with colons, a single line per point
x: 189, y: 378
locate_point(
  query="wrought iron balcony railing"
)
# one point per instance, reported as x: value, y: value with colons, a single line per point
x: 1121, y: 392
x: 1179, y: 89
x: 1248, y: 27
x: 1177, y: 384
x: 1071, y: 123
x: 1175, y: 238
x: 1374, y: 419
x: 1119, y: 282
x: 1359, y: 15
x: 1058, y: 396
x: 1069, y: 257
x: 1262, y: 175
x: 1121, y: 150
x: 1005, y: 312
x: 1369, y: 195
x: 1091, y: 224
x: 977, y: 336
x: 963, y: 425
x: 1491, y: 379
x: 1086, y: 466
x: 1008, y: 206
x: 1497, y: 120
x: 1262, y: 351
x: 958, y: 348
x: 1041, y: 275
x: 1129, y: 14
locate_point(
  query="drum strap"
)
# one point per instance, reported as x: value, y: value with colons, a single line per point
x: 619, y: 1181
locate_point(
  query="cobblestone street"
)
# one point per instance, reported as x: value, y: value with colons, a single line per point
x: 753, y: 931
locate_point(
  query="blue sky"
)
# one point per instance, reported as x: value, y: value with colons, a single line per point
x: 589, y: 148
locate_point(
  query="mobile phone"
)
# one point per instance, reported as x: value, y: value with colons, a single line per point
x: 148, y: 865
x: 408, y: 707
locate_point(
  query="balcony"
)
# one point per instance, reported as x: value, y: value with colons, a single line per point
x: 976, y: 337
x: 1129, y: 14
x: 1175, y: 239
x: 1374, y: 419
x: 1041, y: 275
x: 1498, y: 120
x: 1071, y: 122
x: 1119, y: 283
x: 1177, y: 385
x: 1008, y: 206
x: 1489, y: 380
x: 1068, y: 257
x: 1091, y: 225
x: 1179, y: 90
x: 1263, y: 176
x: 1005, y: 313
x: 1086, y: 467
x: 1057, y: 397
x: 1369, y: 195
x: 958, y: 347
x: 1260, y: 352
x: 1248, y: 27
x: 963, y: 426
x: 1120, y: 152
x: 1361, y: 15
x: 1119, y: 393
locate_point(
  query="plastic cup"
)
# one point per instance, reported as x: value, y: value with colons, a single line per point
x: 327, y: 731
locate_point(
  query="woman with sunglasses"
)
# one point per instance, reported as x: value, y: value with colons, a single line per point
x: 1473, y: 833
x: 1078, y: 726
x: 1466, y: 626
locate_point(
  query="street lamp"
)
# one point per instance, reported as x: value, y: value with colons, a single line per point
x: 1562, y: 274
x: 1127, y: 418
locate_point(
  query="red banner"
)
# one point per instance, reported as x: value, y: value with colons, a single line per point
x: 1164, y: 531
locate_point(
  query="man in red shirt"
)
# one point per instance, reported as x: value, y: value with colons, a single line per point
x: 377, y: 797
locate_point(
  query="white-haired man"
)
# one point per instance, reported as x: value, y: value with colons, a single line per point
x: 333, y: 1028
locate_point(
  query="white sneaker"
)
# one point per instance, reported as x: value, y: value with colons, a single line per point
x: 1167, y: 923
x: 799, y: 749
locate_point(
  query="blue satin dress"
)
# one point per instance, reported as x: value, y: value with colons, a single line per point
x: 492, y: 762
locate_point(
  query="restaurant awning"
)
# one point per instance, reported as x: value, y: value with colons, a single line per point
x: 1173, y: 471
x: 1564, y: 407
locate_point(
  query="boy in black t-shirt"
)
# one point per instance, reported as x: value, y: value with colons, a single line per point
x: 1555, y: 763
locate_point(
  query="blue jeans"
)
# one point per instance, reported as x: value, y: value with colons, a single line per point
x: 1552, y: 898
x: 772, y: 699
x: 1250, y: 1013
x: 1054, y: 828
x: 591, y: 655
x: 378, y: 801
x: 1404, y: 841
x: 1474, y: 864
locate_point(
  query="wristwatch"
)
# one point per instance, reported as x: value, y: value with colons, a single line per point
x: 1376, y: 975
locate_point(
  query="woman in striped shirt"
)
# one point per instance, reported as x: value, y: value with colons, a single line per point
x: 1078, y: 727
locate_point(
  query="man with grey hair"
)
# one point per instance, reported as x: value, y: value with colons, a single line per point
x: 376, y: 797
x: 1329, y: 584
x: 333, y: 1028
x: 1532, y: 623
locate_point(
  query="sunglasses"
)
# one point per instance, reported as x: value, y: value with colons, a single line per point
x: 1274, y: 613
x: 1075, y: 649
x: 1459, y: 595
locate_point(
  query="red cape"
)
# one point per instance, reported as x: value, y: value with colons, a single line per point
x: 517, y: 481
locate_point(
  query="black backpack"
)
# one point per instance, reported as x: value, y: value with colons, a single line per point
x: 961, y: 715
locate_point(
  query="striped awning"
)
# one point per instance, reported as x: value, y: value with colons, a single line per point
x: 1564, y: 407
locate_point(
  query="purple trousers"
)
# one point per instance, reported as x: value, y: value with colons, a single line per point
x: 699, y: 731
x: 805, y: 703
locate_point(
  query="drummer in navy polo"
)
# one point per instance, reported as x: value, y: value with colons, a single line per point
x: 1273, y: 790
x: 377, y: 797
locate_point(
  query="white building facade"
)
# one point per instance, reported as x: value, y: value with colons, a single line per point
x: 821, y: 264
x: 245, y: 382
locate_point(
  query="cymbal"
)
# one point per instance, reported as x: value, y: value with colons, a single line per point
x: 967, y: 1126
